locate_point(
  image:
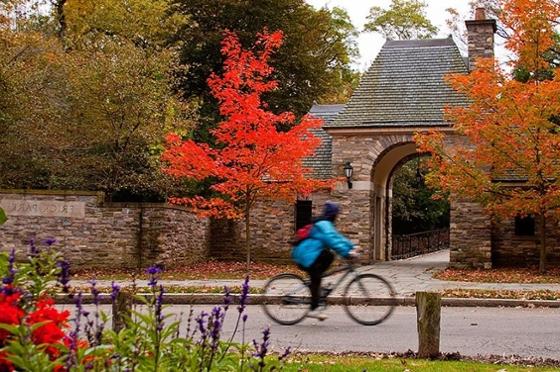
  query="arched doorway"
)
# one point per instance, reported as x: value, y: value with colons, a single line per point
x: 418, y: 223
x: 408, y: 241
x: 382, y: 169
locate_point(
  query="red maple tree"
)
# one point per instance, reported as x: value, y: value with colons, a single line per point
x: 252, y: 159
x: 511, y: 159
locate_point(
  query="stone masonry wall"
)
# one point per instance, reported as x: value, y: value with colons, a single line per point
x: 470, y: 236
x: 272, y: 227
x: 356, y: 219
x: 98, y: 234
x: 509, y: 249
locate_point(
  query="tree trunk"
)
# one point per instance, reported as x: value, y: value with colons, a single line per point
x: 428, y: 313
x: 542, y: 254
x: 61, y: 19
x: 248, y: 238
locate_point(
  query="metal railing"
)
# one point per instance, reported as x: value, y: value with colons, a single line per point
x: 410, y: 245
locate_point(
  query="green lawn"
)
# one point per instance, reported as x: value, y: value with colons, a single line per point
x: 323, y: 363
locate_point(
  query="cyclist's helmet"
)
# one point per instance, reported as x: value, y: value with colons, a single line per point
x: 331, y: 210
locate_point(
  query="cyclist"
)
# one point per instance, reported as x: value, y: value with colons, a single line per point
x: 314, y: 256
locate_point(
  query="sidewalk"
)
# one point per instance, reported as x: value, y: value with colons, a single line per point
x: 407, y: 277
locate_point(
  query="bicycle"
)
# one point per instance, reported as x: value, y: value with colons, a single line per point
x: 368, y: 299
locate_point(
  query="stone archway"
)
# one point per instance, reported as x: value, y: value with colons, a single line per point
x: 374, y: 156
x: 386, y: 163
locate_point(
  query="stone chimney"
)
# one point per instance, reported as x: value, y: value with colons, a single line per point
x: 481, y: 36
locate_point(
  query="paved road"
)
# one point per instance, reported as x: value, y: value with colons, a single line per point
x: 471, y: 331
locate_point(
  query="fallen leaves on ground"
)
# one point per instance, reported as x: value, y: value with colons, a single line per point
x: 500, y: 275
x: 169, y: 289
x: 199, y: 271
x: 544, y: 294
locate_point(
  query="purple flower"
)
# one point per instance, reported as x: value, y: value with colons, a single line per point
x: 79, y: 313
x: 262, y: 349
x: 244, y: 318
x: 158, y: 309
x: 64, y: 274
x: 8, y: 280
x: 153, y: 271
x: 189, y: 321
x: 94, y: 292
x: 49, y: 241
x: 244, y: 295
x: 115, y: 290
x: 33, y: 251
x: 215, y: 322
x: 200, y: 320
x: 285, y: 353
x: 227, y: 297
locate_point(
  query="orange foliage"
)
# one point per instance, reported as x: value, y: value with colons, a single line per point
x: 252, y: 159
x: 510, y: 126
x: 532, y: 25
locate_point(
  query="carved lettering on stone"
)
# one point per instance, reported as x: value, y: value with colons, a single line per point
x: 43, y: 208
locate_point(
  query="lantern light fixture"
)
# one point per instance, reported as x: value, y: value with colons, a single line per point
x: 348, y: 171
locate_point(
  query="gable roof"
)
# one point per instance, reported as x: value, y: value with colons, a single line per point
x: 405, y: 86
x: 321, y: 163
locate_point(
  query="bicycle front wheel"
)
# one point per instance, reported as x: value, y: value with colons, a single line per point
x: 286, y: 299
x: 369, y: 299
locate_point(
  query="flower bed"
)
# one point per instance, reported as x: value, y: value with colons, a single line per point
x: 36, y: 336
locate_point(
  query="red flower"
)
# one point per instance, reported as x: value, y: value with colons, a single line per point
x: 10, y: 313
x: 5, y: 364
x: 50, y: 333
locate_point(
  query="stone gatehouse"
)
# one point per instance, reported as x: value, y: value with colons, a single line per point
x: 403, y: 92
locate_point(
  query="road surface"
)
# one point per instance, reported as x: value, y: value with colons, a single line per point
x: 470, y: 331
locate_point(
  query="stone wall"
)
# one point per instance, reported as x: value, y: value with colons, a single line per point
x: 470, y: 236
x: 92, y: 233
x: 509, y: 249
x: 272, y: 226
x: 356, y: 217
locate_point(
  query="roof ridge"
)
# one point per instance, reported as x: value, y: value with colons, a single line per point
x: 419, y: 43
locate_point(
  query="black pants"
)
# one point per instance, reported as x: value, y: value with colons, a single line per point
x: 315, y: 272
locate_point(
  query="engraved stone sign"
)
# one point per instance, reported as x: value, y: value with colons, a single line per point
x: 43, y: 208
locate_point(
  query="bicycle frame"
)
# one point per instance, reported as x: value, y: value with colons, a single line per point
x: 347, y: 269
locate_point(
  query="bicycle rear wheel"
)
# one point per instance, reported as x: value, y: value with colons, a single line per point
x: 286, y: 299
x: 369, y: 299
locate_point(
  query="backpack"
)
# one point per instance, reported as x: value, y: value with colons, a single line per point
x: 302, y: 233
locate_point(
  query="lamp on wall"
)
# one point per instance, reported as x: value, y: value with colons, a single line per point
x: 348, y: 170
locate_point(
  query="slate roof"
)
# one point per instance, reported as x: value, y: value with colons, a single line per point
x: 321, y: 162
x: 405, y: 86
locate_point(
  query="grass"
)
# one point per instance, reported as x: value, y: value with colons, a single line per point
x: 323, y: 363
x: 200, y: 271
x: 500, y: 275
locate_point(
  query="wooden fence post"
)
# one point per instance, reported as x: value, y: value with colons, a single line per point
x: 428, y: 315
x: 122, y: 309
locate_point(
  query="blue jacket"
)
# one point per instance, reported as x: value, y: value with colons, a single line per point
x: 323, y: 236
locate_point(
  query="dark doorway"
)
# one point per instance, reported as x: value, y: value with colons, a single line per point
x: 420, y: 223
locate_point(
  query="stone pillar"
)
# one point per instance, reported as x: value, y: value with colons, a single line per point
x: 355, y: 219
x: 470, y: 236
x: 481, y: 37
